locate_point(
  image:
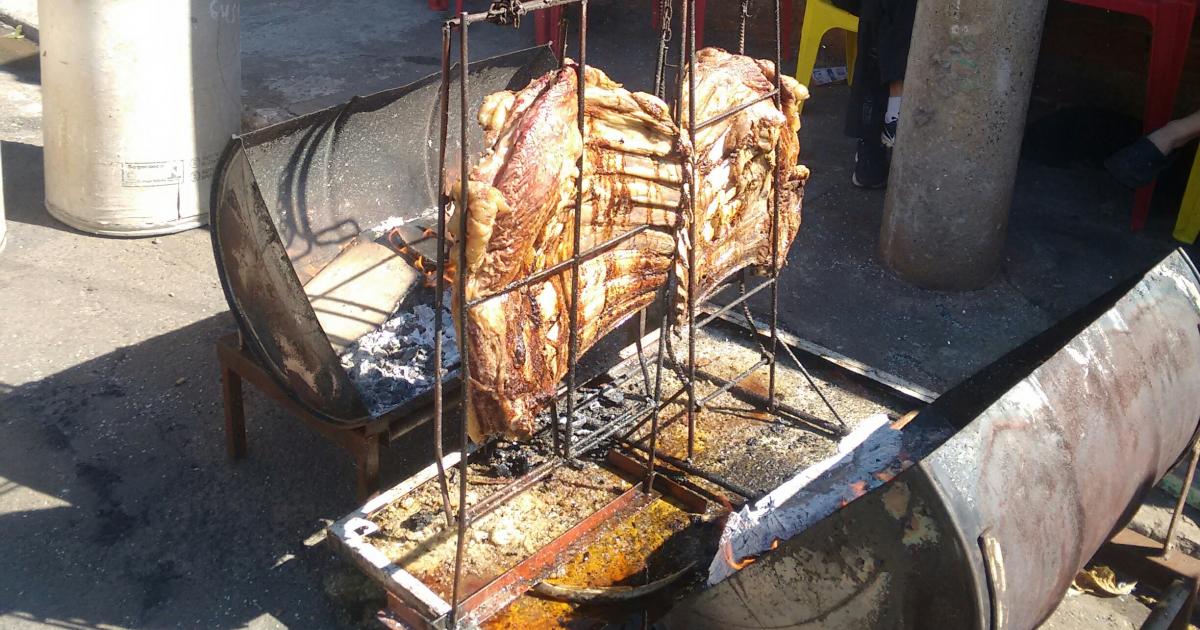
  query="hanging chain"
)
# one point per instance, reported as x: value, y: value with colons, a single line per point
x: 664, y: 28
x: 506, y: 13
x: 742, y: 18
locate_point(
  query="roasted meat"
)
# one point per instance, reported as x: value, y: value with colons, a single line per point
x: 735, y: 162
x: 520, y: 221
x: 636, y: 163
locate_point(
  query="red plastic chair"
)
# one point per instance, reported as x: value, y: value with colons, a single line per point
x: 544, y: 25
x: 1171, y: 29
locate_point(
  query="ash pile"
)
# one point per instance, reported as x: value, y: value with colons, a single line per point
x: 376, y: 301
x: 394, y: 364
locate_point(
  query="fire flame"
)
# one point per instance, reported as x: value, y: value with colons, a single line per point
x: 738, y: 565
x: 857, y: 489
x: 423, y: 265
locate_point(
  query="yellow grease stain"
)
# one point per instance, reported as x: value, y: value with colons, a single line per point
x: 618, y: 554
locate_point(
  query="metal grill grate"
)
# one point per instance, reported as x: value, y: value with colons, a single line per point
x: 622, y: 428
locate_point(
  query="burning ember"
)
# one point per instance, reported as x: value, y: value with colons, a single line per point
x: 738, y: 565
x: 418, y: 247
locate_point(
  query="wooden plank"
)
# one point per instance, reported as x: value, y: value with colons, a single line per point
x: 359, y: 290
x: 235, y: 413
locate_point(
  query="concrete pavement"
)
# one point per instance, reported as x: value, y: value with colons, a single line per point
x: 117, y: 505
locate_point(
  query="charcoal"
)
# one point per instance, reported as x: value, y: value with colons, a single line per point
x: 420, y: 520
x: 613, y: 397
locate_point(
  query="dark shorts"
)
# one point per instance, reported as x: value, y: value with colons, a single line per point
x: 884, y: 33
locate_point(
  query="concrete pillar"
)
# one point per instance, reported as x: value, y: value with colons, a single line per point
x: 966, y: 92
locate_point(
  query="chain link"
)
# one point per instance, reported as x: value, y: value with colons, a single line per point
x: 743, y: 17
x: 506, y: 13
x: 665, y: 35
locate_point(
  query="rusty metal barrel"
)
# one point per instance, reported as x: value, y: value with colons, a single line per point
x: 1057, y: 444
x: 288, y: 197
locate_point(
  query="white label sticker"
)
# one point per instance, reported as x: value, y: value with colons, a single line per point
x: 139, y: 174
x: 202, y: 167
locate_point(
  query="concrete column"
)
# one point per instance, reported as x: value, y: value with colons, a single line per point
x: 966, y: 92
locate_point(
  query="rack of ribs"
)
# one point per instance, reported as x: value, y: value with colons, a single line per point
x: 521, y: 209
x: 735, y: 161
x: 521, y: 221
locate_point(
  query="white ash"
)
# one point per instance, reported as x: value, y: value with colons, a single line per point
x: 394, y: 364
x: 383, y: 227
x: 425, y: 216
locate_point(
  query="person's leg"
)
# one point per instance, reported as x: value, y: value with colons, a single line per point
x: 1139, y: 163
x: 1176, y: 133
x: 891, y: 117
x: 868, y: 97
x: 895, y: 36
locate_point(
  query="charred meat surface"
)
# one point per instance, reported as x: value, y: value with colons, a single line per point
x: 520, y: 221
x: 735, y: 161
x: 636, y: 165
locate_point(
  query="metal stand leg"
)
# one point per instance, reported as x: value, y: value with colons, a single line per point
x: 366, y: 461
x: 235, y: 414
x: 1169, y: 543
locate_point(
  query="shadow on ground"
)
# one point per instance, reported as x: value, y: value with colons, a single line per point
x: 128, y: 513
x: 118, y: 506
x: 23, y: 196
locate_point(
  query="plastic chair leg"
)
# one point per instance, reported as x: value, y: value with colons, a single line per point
x: 810, y: 43
x: 1141, y: 206
x: 851, y: 55
x: 1187, y: 226
x: 545, y: 28
x: 1171, y: 28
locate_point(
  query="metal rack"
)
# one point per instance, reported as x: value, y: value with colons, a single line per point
x: 622, y: 428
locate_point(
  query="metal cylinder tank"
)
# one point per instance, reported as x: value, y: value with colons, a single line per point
x: 288, y: 197
x: 139, y: 99
x: 1058, y: 442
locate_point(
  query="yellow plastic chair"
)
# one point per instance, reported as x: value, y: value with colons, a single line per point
x: 1187, y: 226
x: 820, y: 17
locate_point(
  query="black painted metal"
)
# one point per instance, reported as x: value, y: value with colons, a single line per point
x: 287, y: 198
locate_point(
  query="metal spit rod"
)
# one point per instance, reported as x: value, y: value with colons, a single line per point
x: 776, y: 201
x: 573, y: 315
x: 690, y: 39
x: 463, y: 346
x: 444, y: 126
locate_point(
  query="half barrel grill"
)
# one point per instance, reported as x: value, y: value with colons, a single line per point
x: 287, y: 199
x: 1054, y: 446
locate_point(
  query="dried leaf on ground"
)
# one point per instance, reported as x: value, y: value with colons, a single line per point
x: 1101, y: 581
